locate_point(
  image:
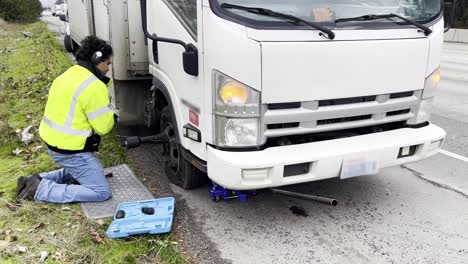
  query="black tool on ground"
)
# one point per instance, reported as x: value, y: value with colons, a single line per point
x: 120, y: 214
x: 147, y: 210
x: 299, y: 211
x: 109, y: 175
x: 324, y: 200
x: 133, y: 142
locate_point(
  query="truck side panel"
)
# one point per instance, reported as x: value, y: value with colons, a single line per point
x: 139, y: 61
x: 80, y: 17
x: 101, y: 20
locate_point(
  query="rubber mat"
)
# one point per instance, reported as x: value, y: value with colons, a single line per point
x: 125, y: 188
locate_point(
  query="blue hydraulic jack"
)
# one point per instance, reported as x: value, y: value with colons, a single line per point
x: 218, y: 193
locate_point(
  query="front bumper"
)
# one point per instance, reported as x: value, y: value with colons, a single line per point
x: 264, y: 169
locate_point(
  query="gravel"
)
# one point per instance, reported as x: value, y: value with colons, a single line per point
x: 149, y: 168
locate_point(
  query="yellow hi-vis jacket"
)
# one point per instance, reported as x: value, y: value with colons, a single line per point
x: 78, y: 106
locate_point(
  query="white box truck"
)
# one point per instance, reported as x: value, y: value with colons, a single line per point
x: 266, y: 93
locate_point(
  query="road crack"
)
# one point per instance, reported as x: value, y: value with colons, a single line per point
x: 435, y: 183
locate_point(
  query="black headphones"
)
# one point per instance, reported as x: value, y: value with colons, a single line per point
x: 97, y: 57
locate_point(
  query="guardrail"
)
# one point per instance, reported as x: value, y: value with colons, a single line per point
x: 456, y: 35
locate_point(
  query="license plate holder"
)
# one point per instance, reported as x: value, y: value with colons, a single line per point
x: 354, y: 167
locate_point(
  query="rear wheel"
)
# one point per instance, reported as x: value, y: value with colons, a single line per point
x: 68, y: 43
x: 178, y: 170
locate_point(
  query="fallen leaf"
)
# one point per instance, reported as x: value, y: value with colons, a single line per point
x: 40, y: 225
x: 12, y: 207
x: 27, y: 34
x: 44, y: 255
x: 4, y: 244
x: 22, y: 249
x: 59, y: 255
x: 17, y: 151
x: 9, y: 236
x: 100, y: 222
x: 66, y: 208
x: 52, y: 233
x: 37, y: 148
x: 97, y: 237
x: 26, y: 137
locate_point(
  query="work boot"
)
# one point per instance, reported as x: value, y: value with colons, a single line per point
x: 30, y: 187
x: 22, y: 183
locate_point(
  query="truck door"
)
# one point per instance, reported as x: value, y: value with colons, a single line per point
x: 177, y: 19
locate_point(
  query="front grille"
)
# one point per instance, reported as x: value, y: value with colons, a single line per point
x: 399, y: 112
x: 308, y: 117
x: 343, y: 119
x: 316, y: 137
x: 354, y: 100
x: 401, y: 95
x: 284, y: 106
x: 285, y: 125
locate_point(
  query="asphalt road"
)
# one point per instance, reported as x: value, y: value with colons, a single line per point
x: 412, y: 214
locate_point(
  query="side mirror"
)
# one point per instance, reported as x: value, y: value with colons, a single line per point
x: 190, y: 60
x: 190, y: 55
x: 449, y: 13
x: 63, y: 18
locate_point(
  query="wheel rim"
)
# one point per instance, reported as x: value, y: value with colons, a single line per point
x: 171, y: 149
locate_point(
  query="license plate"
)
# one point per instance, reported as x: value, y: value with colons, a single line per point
x: 354, y: 167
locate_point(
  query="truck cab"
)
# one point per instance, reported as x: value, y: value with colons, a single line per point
x: 258, y: 94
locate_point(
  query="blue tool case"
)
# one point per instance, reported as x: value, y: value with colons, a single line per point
x: 142, y: 217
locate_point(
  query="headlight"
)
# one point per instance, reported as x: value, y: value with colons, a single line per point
x: 236, y: 132
x: 236, y: 113
x: 431, y: 84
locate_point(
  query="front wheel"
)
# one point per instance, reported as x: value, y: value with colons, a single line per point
x: 178, y: 169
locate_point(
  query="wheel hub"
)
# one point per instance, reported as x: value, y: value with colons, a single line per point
x: 171, y: 151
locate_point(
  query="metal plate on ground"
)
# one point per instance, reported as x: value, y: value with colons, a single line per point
x: 125, y: 187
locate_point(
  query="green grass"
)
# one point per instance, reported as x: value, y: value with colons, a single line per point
x: 26, y: 70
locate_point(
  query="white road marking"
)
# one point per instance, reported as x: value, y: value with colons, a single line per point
x: 453, y: 155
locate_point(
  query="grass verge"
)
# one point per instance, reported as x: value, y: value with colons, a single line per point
x: 27, y: 68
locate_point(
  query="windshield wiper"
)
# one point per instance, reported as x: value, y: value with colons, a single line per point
x: 271, y: 13
x: 427, y: 31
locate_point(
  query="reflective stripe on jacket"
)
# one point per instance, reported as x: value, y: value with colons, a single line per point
x: 78, y: 106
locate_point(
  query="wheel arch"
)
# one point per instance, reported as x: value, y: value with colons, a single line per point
x: 163, y: 99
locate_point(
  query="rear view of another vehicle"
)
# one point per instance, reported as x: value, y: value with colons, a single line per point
x: 58, y: 8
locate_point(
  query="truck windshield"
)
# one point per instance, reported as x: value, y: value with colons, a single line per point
x: 329, y: 11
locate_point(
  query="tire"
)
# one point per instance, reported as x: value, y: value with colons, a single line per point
x: 179, y: 171
x: 68, y: 43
